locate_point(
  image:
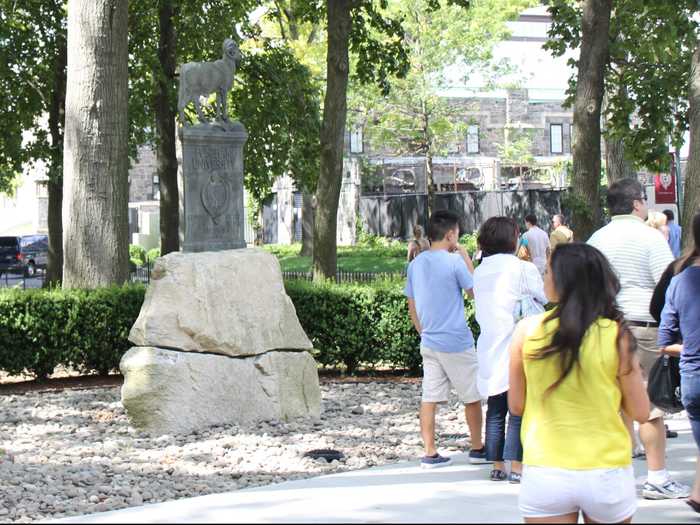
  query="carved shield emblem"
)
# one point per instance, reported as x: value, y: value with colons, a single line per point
x: 215, y: 196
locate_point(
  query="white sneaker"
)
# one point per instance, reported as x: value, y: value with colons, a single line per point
x: 669, y: 490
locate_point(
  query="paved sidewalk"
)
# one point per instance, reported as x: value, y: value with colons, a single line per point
x: 399, y: 493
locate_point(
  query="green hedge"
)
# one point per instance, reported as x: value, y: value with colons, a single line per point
x: 349, y: 325
x: 85, y: 329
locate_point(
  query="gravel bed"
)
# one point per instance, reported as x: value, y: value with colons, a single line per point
x: 75, y: 453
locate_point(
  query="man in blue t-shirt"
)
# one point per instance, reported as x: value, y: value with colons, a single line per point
x: 434, y: 287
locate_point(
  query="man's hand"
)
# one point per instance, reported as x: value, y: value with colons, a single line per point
x: 414, y: 315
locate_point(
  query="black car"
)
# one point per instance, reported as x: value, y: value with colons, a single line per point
x: 23, y: 254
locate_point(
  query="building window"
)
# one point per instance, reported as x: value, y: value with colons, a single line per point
x: 156, y: 188
x: 556, y: 139
x: 473, y: 139
x: 356, y: 138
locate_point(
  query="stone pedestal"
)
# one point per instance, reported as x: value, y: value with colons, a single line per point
x: 211, y: 186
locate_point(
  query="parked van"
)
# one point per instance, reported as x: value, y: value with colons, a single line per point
x: 23, y: 254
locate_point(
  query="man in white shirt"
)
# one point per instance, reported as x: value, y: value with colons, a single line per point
x: 537, y: 243
x: 640, y: 254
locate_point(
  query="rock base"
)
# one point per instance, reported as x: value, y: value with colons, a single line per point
x: 173, y: 392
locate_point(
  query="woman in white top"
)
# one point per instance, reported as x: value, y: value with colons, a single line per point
x: 500, y: 282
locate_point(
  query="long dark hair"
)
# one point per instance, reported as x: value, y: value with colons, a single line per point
x: 693, y: 254
x: 587, y: 288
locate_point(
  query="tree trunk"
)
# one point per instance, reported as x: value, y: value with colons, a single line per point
x: 616, y: 162
x: 165, y: 110
x: 307, y: 224
x: 57, y: 113
x: 691, y: 198
x: 430, y: 191
x: 95, y: 159
x: 429, y: 187
x: 332, y: 140
x: 595, y: 24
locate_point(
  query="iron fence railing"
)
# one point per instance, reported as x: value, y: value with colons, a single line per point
x: 346, y: 277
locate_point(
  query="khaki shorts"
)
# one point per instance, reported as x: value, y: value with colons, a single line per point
x: 444, y: 369
x: 648, y: 352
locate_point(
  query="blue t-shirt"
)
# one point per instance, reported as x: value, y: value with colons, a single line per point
x: 680, y: 318
x: 436, y: 279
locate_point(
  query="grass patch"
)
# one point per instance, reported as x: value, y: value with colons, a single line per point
x: 350, y: 258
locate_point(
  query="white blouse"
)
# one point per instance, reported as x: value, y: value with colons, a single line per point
x: 497, y: 287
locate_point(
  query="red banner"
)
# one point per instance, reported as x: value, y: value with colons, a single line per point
x: 665, y: 188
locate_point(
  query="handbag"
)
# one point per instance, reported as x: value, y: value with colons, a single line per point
x: 664, y: 385
x: 526, y: 305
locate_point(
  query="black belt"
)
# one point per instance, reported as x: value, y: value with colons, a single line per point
x: 644, y: 324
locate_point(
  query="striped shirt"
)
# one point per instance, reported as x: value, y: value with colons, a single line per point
x: 639, y: 255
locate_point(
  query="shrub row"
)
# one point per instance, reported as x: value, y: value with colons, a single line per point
x: 350, y: 325
x: 84, y: 329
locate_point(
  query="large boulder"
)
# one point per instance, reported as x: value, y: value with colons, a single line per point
x: 171, y: 392
x: 229, y: 302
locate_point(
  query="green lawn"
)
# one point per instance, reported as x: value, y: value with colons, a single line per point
x: 356, y: 263
x: 350, y: 259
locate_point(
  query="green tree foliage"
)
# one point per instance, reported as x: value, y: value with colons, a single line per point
x: 31, y: 33
x: 647, y: 75
x: 415, y: 118
x: 279, y: 105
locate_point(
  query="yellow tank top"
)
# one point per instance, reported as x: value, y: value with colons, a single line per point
x: 577, y: 425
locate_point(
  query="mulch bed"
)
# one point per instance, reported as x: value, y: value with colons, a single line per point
x: 11, y: 386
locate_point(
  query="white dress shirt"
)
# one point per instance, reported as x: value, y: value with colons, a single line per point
x: 499, y: 282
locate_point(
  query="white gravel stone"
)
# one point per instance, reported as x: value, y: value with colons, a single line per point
x: 75, y: 452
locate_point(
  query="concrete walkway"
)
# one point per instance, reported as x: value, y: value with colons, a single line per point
x: 399, y: 493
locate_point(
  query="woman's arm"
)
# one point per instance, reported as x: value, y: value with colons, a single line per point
x: 635, y: 400
x: 517, y: 383
x: 412, y: 249
x: 673, y: 350
x: 659, y: 296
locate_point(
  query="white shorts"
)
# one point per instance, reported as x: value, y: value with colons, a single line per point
x: 442, y: 369
x: 604, y: 495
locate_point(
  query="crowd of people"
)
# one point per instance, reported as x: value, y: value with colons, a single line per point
x: 569, y: 332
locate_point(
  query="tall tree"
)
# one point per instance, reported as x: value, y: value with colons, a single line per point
x: 646, y: 77
x: 165, y: 110
x: 32, y: 86
x: 279, y: 105
x: 691, y: 199
x: 618, y: 164
x: 95, y: 221
x: 595, y: 23
x: 377, y: 41
x: 332, y: 139
x: 415, y: 118
x: 304, y: 37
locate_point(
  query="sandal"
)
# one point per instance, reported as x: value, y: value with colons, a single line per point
x: 514, y: 477
x: 498, y: 475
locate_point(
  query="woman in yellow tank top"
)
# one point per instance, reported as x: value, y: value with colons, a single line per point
x: 571, y: 372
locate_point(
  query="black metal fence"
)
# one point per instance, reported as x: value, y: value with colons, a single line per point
x: 141, y: 274
x: 20, y: 280
x: 395, y: 215
x: 346, y: 277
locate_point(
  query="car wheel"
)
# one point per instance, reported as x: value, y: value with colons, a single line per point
x: 30, y: 270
